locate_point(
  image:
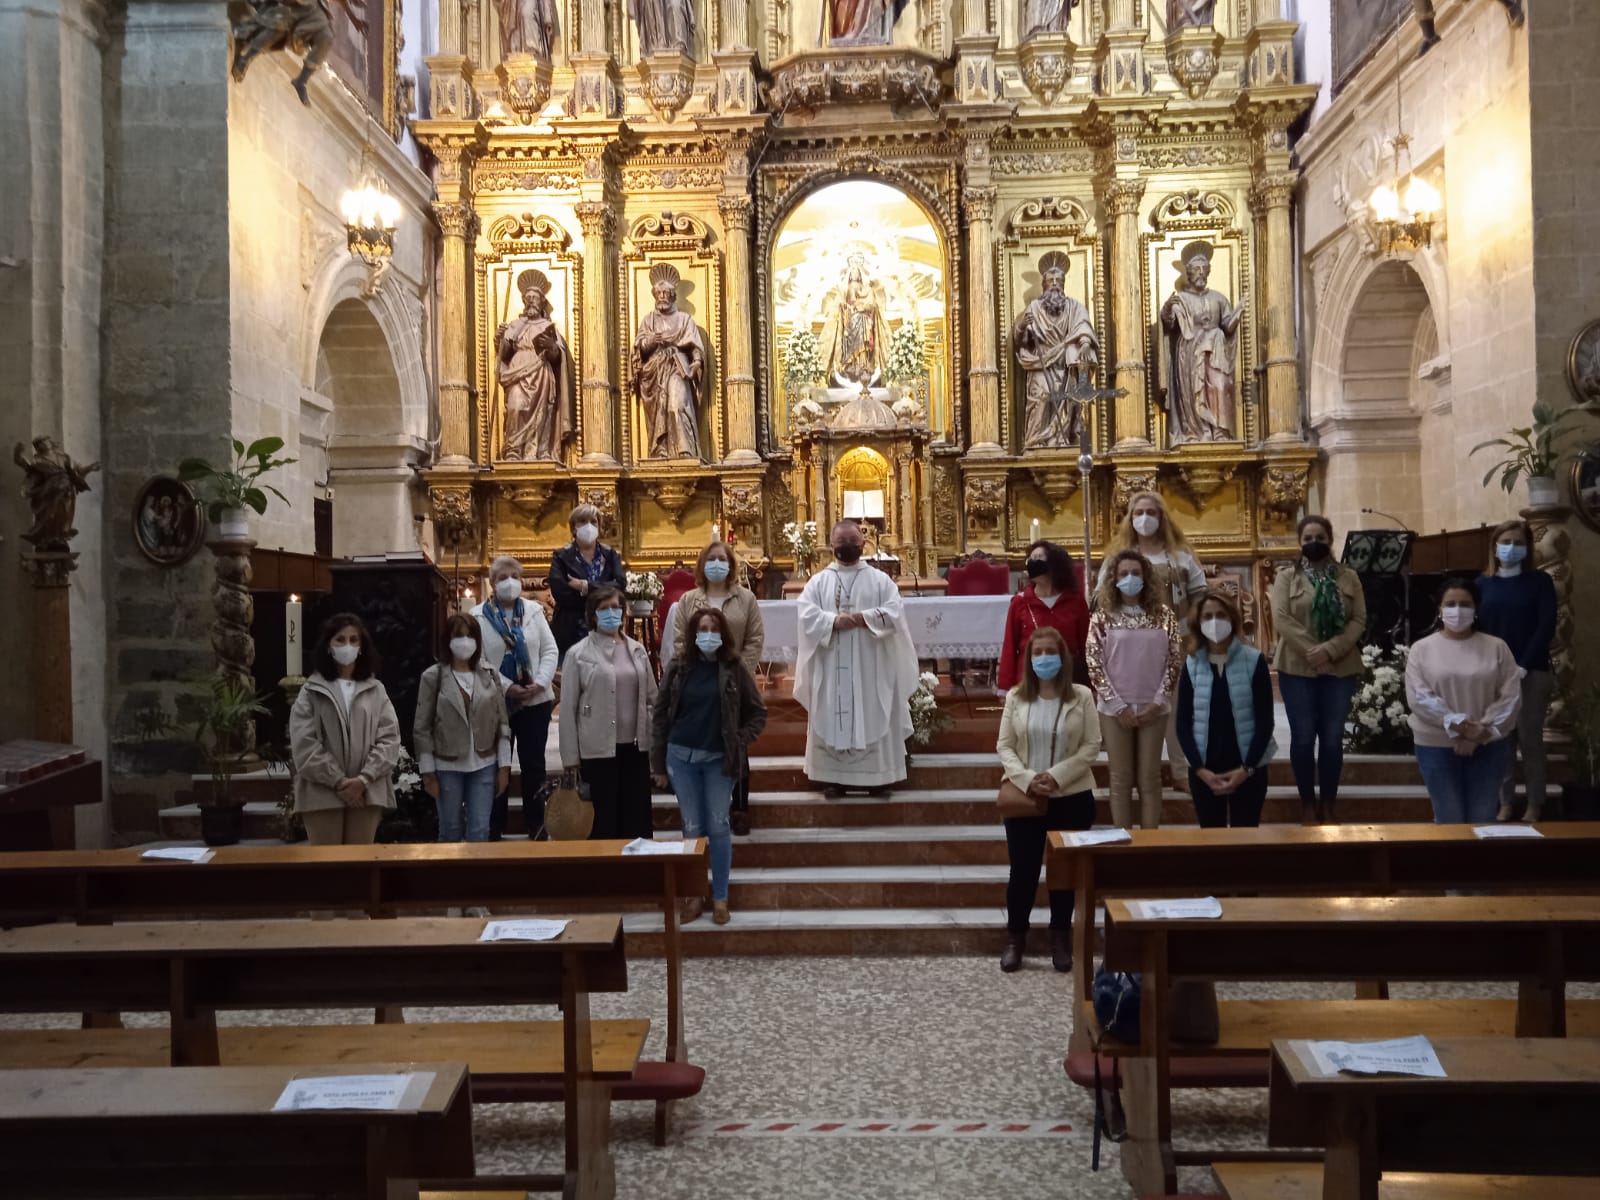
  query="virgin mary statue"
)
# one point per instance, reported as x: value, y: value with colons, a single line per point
x: 861, y: 22
x: 855, y: 340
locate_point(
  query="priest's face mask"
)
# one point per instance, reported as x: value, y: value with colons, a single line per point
x: 847, y: 538
x: 666, y: 297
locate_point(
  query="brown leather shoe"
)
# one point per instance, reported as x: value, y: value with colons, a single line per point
x: 690, y: 910
x: 719, y: 912
x: 1011, y: 959
x: 1061, y: 950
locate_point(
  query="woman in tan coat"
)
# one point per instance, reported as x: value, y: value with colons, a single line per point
x: 717, y: 585
x: 345, y: 739
x: 463, y: 735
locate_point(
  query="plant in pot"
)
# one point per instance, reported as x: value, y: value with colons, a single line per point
x: 643, y: 589
x: 221, y: 734
x: 1529, y: 453
x: 1580, y: 797
x: 231, y: 490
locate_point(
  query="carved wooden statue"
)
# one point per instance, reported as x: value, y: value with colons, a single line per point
x: 861, y: 22
x: 668, y: 368
x: 534, y: 372
x: 1045, y: 16
x: 1054, y: 343
x: 51, y: 489
x: 1197, y: 369
x: 302, y: 26
x: 527, y: 27
x: 1190, y: 14
x: 665, y: 26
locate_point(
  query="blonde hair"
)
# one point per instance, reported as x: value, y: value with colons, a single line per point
x: 1171, y: 536
x: 700, y: 566
x: 584, y: 512
x: 1507, y: 527
x: 1108, y: 596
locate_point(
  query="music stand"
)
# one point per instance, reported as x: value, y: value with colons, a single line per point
x: 1380, y: 556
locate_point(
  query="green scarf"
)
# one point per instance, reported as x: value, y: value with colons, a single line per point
x: 1327, y: 605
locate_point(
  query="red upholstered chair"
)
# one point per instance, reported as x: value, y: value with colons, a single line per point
x: 678, y: 581
x: 977, y: 574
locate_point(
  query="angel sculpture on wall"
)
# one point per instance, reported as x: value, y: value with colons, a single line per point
x: 51, y: 489
x: 300, y: 26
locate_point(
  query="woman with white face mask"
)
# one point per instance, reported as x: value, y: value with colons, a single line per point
x: 462, y: 736
x: 716, y: 577
x: 345, y: 738
x: 518, y: 643
x: 1464, y: 688
x: 1178, y: 580
x: 1135, y: 651
x: 1225, y: 717
x: 1517, y: 604
x: 576, y: 569
x: 607, y: 688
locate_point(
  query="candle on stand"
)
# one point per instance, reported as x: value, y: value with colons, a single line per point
x: 1033, y: 530
x: 292, y: 615
x: 716, y: 532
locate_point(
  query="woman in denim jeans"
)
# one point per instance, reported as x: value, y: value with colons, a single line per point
x: 1319, y: 614
x: 706, y: 713
x: 462, y: 735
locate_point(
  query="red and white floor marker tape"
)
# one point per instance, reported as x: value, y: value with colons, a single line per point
x: 879, y: 1129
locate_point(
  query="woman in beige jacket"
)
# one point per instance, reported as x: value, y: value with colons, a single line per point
x: 463, y: 735
x: 1049, y: 739
x: 345, y: 739
x: 717, y: 585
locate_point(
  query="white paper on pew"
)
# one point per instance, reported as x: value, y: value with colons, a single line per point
x: 1512, y: 830
x: 1096, y: 837
x: 1204, y: 907
x: 651, y: 846
x: 522, y: 931
x: 1397, y: 1056
x: 188, y: 854
x: 376, y: 1093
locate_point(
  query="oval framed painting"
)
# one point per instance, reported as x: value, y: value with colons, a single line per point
x: 169, y: 523
x: 1583, y: 363
x: 1586, y: 486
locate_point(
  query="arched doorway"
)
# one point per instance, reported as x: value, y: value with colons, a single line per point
x: 1374, y: 426
x: 370, y: 453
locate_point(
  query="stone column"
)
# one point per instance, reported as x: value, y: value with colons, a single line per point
x: 1270, y: 197
x: 599, y: 223
x: 1121, y: 199
x: 734, y: 31
x: 456, y: 443
x: 983, y: 376
x: 1120, y: 56
x: 231, y: 638
x: 736, y: 352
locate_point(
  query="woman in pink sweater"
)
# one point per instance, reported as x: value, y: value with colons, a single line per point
x: 1464, y: 688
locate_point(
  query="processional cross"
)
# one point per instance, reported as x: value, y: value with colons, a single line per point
x: 1078, y: 395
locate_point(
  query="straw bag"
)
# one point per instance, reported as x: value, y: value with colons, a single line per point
x: 569, y: 813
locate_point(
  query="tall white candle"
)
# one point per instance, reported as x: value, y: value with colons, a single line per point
x: 292, y: 638
x: 1033, y: 530
x: 716, y: 532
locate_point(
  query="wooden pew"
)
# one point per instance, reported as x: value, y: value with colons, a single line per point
x: 165, y: 1133
x: 1540, y: 942
x: 94, y: 886
x: 1508, y: 1105
x: 1303, y: 1181
x: 190, y: 970
x: 1345, y: 860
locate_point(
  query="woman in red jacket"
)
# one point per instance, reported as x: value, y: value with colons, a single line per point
x: 1051, y: 598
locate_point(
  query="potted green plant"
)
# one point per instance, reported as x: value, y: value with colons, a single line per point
x: 643, y: 589
x: 222, y: 735
x: 231, y: 490
x: 1580, y: 797
x: 1530, y: 453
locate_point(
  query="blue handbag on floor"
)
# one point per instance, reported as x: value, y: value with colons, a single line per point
x: 1116, y: 1009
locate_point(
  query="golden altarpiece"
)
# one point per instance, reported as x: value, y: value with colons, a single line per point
x: 791, y: 256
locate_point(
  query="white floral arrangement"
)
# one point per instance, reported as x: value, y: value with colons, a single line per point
x: 802, y: 539
x: 644, y: 585
x: 405, y: 778
x: 907, y: 360
x: 1379, y: 718
x: 928, y: 720
x: 802, y: 359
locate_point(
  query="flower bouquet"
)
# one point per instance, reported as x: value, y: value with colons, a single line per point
x: 907, y: 359
x: 928, y: 720
x: 802, y: 360
x: 1379, y: 718
x: 643, y: 589
x: 801, y: 537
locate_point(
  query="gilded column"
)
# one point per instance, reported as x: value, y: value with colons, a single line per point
x: 736, y: 351
x: 983, y: 378
x: 599, y: 224
x: 1270, y: 197
x: 456, y: 442
x: 1121, y: 199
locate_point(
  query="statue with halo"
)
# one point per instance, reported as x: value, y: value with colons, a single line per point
x: 1201, y: 327
x: 668, y: 364
x: 533, y: 358
x: 1054, y: 343
x: 855, y: 339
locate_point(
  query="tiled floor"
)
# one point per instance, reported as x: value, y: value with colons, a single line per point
x: 821, y: 1039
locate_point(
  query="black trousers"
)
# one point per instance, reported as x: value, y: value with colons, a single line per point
x: 620, y: 790
x: 530, y: 727
x: 1240, y: 809
x: 741, y: 792
x: 1025, y: 842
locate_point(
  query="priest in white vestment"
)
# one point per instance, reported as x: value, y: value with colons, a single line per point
x: 855, y: 673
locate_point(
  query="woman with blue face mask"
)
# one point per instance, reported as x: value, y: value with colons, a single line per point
x: 607, y: 688
x: 1049, y: 739
x: 716, y: 576
x: 1134, y: 652
x: 706, y: 714
x: 1517, y: 604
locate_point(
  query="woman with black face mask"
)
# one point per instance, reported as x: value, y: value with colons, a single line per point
x: 1051, y: 599
x: 1319, y: 614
